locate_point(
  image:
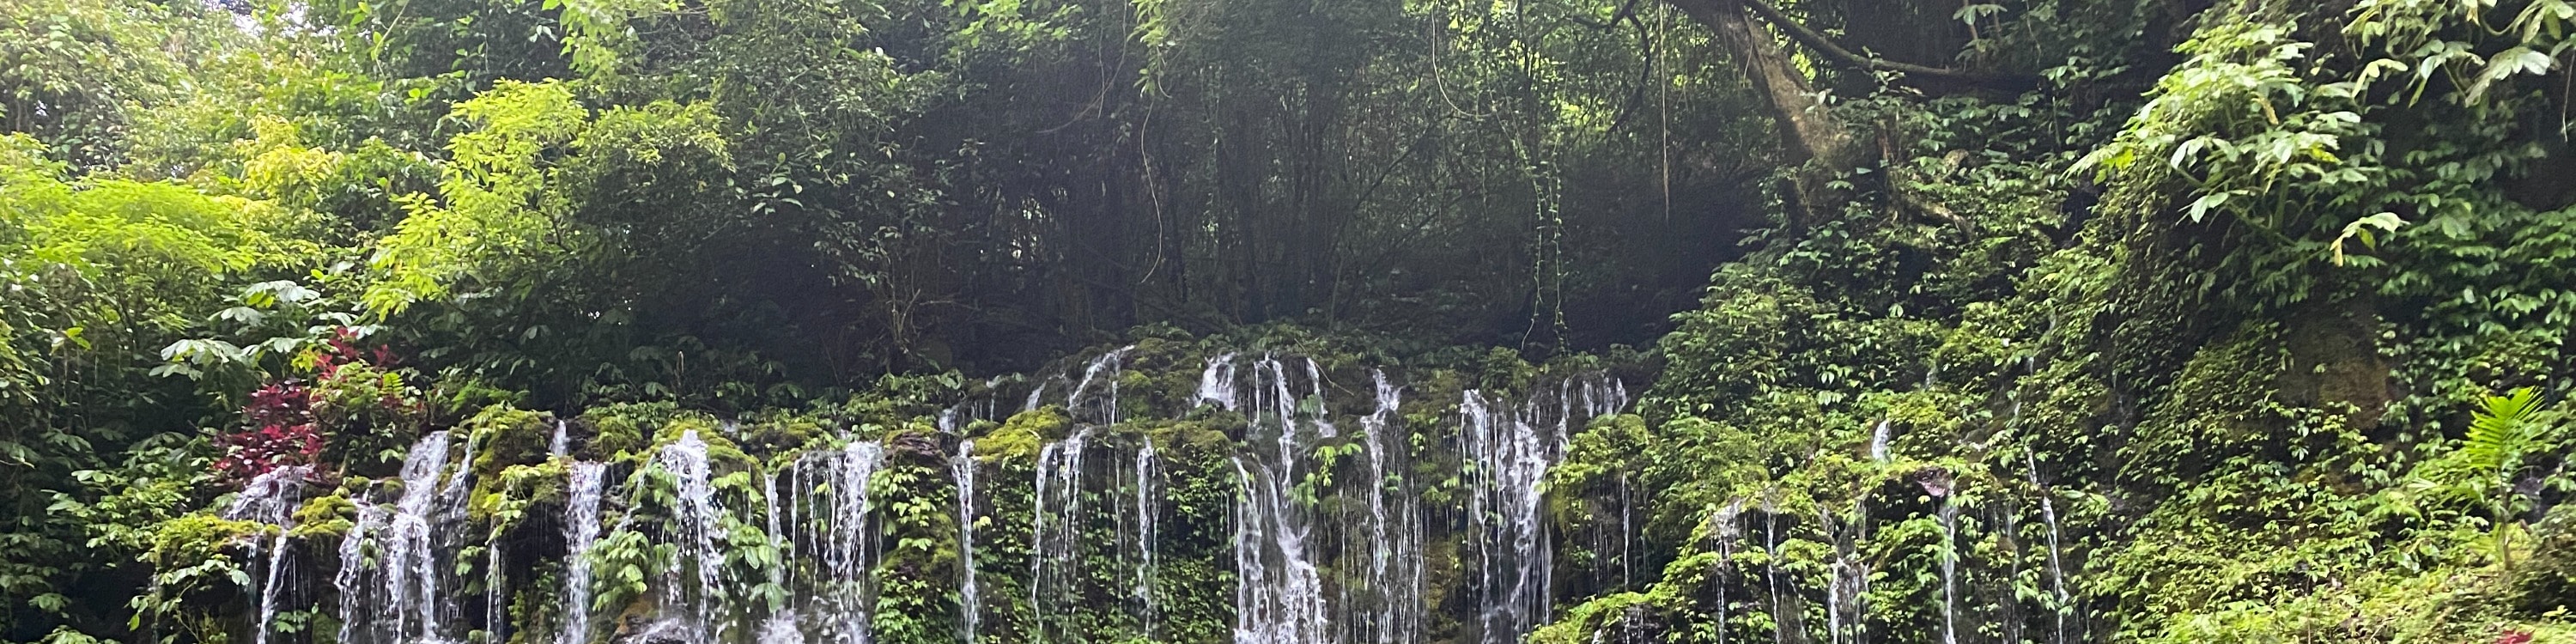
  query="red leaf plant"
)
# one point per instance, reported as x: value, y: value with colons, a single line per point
x: 281, y: 432
x: 281, y: 429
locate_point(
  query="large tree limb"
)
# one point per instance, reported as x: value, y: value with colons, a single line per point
x: 1808, y: 131
x: 1817, y: 41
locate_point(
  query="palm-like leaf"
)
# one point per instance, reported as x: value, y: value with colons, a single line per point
x: 2499, y: 436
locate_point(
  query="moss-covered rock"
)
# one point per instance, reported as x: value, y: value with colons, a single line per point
x: 1024, y: 434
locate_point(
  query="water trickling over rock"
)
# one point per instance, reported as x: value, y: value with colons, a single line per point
x: 1056, y: 541
x: 970, y: 597
x: 581, y: 529
x: 1293, y: 488
x: 1279, y: 598
x: 271, y: 498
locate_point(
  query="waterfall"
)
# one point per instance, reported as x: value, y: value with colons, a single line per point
x: 1860, y: 570
x: 1102, y: 410
x: 692, y: 586
x: 1878, y: 438
x: 1315, y: 392
x: 1836, y: 574
x: 496, y: 584
x: 1509, y: 453
x: 562, y: 443
x: 1216, y: 382
x: 970, y: 602
x: 2056, y: 564
x: 1834, y: 601
x: 1145, y: 538
x: 1771, y: 572
x: 353, y: 567
x: 847, y: 547
x: 452, y: 500
x: 769, y: 523
x: 1101, y: 566
x: 411, y: 567
x: 1510, y: 457
x: 1279, y: 597
x: 1728, y: 531
x: 1627, y: 535
x: 581, y: 529
x: 1394, y: 523
x: 1949, y: 569
x: 271, y: 498
x: 1056, y: 540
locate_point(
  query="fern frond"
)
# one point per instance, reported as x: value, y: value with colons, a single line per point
x: 2500, y: 434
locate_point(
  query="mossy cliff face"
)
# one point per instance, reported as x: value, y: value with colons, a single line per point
x: 1103, y: 499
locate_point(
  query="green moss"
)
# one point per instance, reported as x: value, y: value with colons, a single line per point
x: 198, y: 537
x: 778, y: 436
x: 325, y: 516
x: 622, y: 430
x: 1024, y: 434
x: 507, y: 436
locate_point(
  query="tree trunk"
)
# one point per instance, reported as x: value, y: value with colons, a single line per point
x: 1809, y: 135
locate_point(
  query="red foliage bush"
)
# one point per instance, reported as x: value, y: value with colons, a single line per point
x: 282, y: 430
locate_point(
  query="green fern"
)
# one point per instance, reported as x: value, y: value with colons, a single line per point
x: 2509, y: 427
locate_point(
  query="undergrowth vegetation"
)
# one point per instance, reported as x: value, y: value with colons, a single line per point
x: 2035, y: 321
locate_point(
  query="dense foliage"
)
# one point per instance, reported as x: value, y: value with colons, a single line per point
x: 2030, y: 320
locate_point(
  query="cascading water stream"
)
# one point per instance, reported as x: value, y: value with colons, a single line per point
x: 1099, y: 534
x: 1878, y: 440
x: 1096, y: 407
x: 1771, y: 572
x: 1949, y: 568
x: 1216, y: 382
x: 496, y: 587
x: 1146, y: 538
x: 1509, y: 456
x: 2056, y: 565
x: 1279, y: 597
x: 411, y: 566
x: 847, y: 549
x: 970, y: 599
x: 1395, y: 565
x: 582, y: 491
x: 1056, y: 561
x: 692, y: 583
x: 561, y: 445
x: 354, y: 604
x: 270, y: 498
x: 1729, y: 529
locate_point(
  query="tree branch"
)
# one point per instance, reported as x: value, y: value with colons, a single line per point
x: 1816, y: 41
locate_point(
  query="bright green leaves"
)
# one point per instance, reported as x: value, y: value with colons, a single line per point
x: 2509, y: 428
x: 514, y: 180
x: 513, y: 124
x: 597, y: 35
x: 162, y: 243
x: 2485, y: 469
x: 494, y: 189
x: 2443, y: 37
x: 2238, y: 121
x: 2507, y: 63
x: 2385, y: 223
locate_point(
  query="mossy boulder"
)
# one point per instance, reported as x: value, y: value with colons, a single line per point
x: 621, y: 430
x: 1024, y: 434
x: 506, y: 436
